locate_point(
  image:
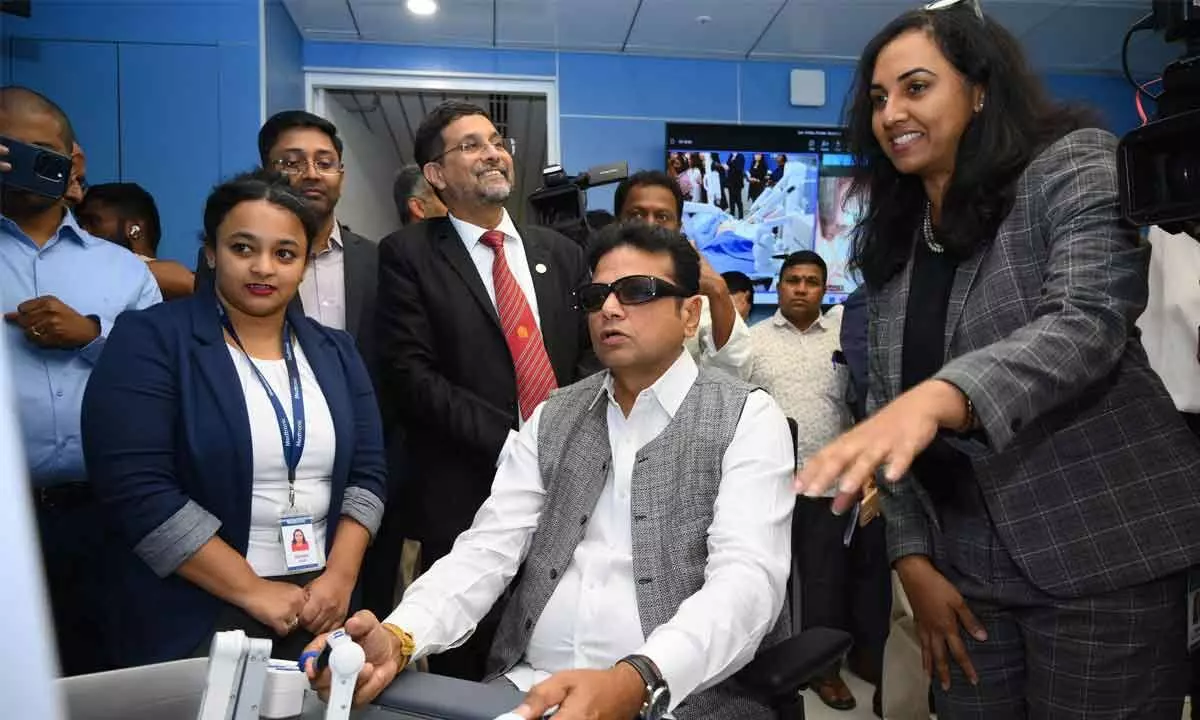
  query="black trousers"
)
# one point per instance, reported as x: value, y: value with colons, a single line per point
x: 379, y: 579
x: 1119, y: 655
x: 844, y: 588
x: 735, y: 202
x: 75, y: 546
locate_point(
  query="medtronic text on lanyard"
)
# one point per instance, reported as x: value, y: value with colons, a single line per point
x: 291, y: 434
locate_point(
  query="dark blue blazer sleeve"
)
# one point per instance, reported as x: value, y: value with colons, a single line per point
x: 130, y: 412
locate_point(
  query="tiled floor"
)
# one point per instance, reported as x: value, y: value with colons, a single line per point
x: 814, y: 709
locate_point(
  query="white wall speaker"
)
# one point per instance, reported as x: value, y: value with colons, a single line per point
x: 808, y: 88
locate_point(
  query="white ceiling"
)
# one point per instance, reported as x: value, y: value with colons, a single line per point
x: 1060, y: 35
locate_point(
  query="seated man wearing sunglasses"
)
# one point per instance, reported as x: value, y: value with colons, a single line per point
x: 649, y: 507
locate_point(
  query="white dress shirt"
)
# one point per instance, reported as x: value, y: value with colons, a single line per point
x: 796, y: 366
x: 323, y: 288
x: 313, y: 474
x: 591, y: 619
x: 734, y: 357
x: 483, y: 257
x: 1171, y: 323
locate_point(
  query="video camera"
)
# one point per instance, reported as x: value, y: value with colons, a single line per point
x: 561, y: 202
x: 1159, y: 163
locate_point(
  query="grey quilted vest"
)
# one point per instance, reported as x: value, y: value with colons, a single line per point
x: 675, y: 483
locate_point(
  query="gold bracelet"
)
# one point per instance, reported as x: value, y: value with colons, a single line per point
x: 407, y: 646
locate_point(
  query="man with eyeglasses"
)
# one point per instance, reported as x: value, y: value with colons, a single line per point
x: 338, y: 289
x: 649, y: 508
x: 477, y: 325
x: 723, y: 338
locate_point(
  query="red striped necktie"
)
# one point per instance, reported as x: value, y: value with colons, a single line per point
x: 535, y: 376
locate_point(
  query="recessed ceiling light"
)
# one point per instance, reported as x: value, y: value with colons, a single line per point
x: 704, y: 19
x: 422, y: 7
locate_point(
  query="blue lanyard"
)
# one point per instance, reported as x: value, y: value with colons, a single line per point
x: 291, y: 434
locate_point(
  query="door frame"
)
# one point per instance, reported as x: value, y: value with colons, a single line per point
x: 318, y: 80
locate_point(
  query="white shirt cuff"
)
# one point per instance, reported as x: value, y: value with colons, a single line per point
x: 677, y: 661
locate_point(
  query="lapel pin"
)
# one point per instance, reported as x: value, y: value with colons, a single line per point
x: 541, y: 269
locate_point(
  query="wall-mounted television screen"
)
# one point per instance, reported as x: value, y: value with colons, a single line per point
x: 753, y: 194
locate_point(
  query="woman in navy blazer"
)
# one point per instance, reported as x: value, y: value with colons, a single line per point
x: 186, y: 447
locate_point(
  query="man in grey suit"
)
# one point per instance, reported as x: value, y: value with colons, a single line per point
x: 649, y: 507
x: 1040, y: 491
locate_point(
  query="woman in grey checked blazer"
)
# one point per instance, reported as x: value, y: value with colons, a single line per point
x: 1042, y: 498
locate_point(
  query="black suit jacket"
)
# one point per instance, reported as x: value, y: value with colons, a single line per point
x: 855, y: 340
x: 362, y: 277
x: 447, y: 372
x: 737, y: 171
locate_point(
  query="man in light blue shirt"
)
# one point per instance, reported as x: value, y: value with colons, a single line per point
x: 61, y: 289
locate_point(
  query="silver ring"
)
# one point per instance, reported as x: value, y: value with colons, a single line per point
x: 35, y: 332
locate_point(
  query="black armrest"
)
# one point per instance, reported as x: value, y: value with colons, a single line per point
x: 780, y: 672
x: 425, y: 695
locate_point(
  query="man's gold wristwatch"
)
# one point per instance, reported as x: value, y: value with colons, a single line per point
x: 404, y: 648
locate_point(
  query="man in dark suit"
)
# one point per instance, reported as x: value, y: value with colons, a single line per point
x: 339, y: 283
x: 735, y: 180
x: 461, y: 297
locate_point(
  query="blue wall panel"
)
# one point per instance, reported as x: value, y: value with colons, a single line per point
x: 179, y: 155
x: 627, y: 85
x: 81, y: 78
x: 404, y: 57
x: 285, y: 60
x: 240, y: 113
x: 145, y: 21
x: 185, y: 76
x: 766, y: 93
x: 1112, y: 96
x: 614, y: 107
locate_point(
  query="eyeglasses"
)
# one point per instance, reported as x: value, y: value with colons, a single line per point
x: 471, y: 147
x: 297, y: 166
x: 630, y: 290
x: 947, y: 4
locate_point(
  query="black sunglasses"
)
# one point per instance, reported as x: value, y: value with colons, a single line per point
x: 972, y: 5
x: 630, y: 290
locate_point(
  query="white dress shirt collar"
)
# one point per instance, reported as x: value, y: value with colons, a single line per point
x: 668, y: 390
x: 821, y: 323
x: 335, y: 240
x: 470, y: 233
x: 335, y: 237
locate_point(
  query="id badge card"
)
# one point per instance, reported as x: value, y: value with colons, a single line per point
x: 301, y: 552
x: 1193, y: 609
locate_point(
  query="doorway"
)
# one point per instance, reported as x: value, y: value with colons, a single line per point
x: 377, y: 116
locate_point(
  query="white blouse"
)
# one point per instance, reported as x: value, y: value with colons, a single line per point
x: 313, y: 475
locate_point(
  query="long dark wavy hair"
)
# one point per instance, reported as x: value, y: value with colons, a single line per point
x: 1017, y: 121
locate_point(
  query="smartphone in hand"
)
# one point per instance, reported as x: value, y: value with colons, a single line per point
x: 35, y: 169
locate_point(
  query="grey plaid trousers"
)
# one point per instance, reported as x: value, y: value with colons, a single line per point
x: 1119, y: 655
